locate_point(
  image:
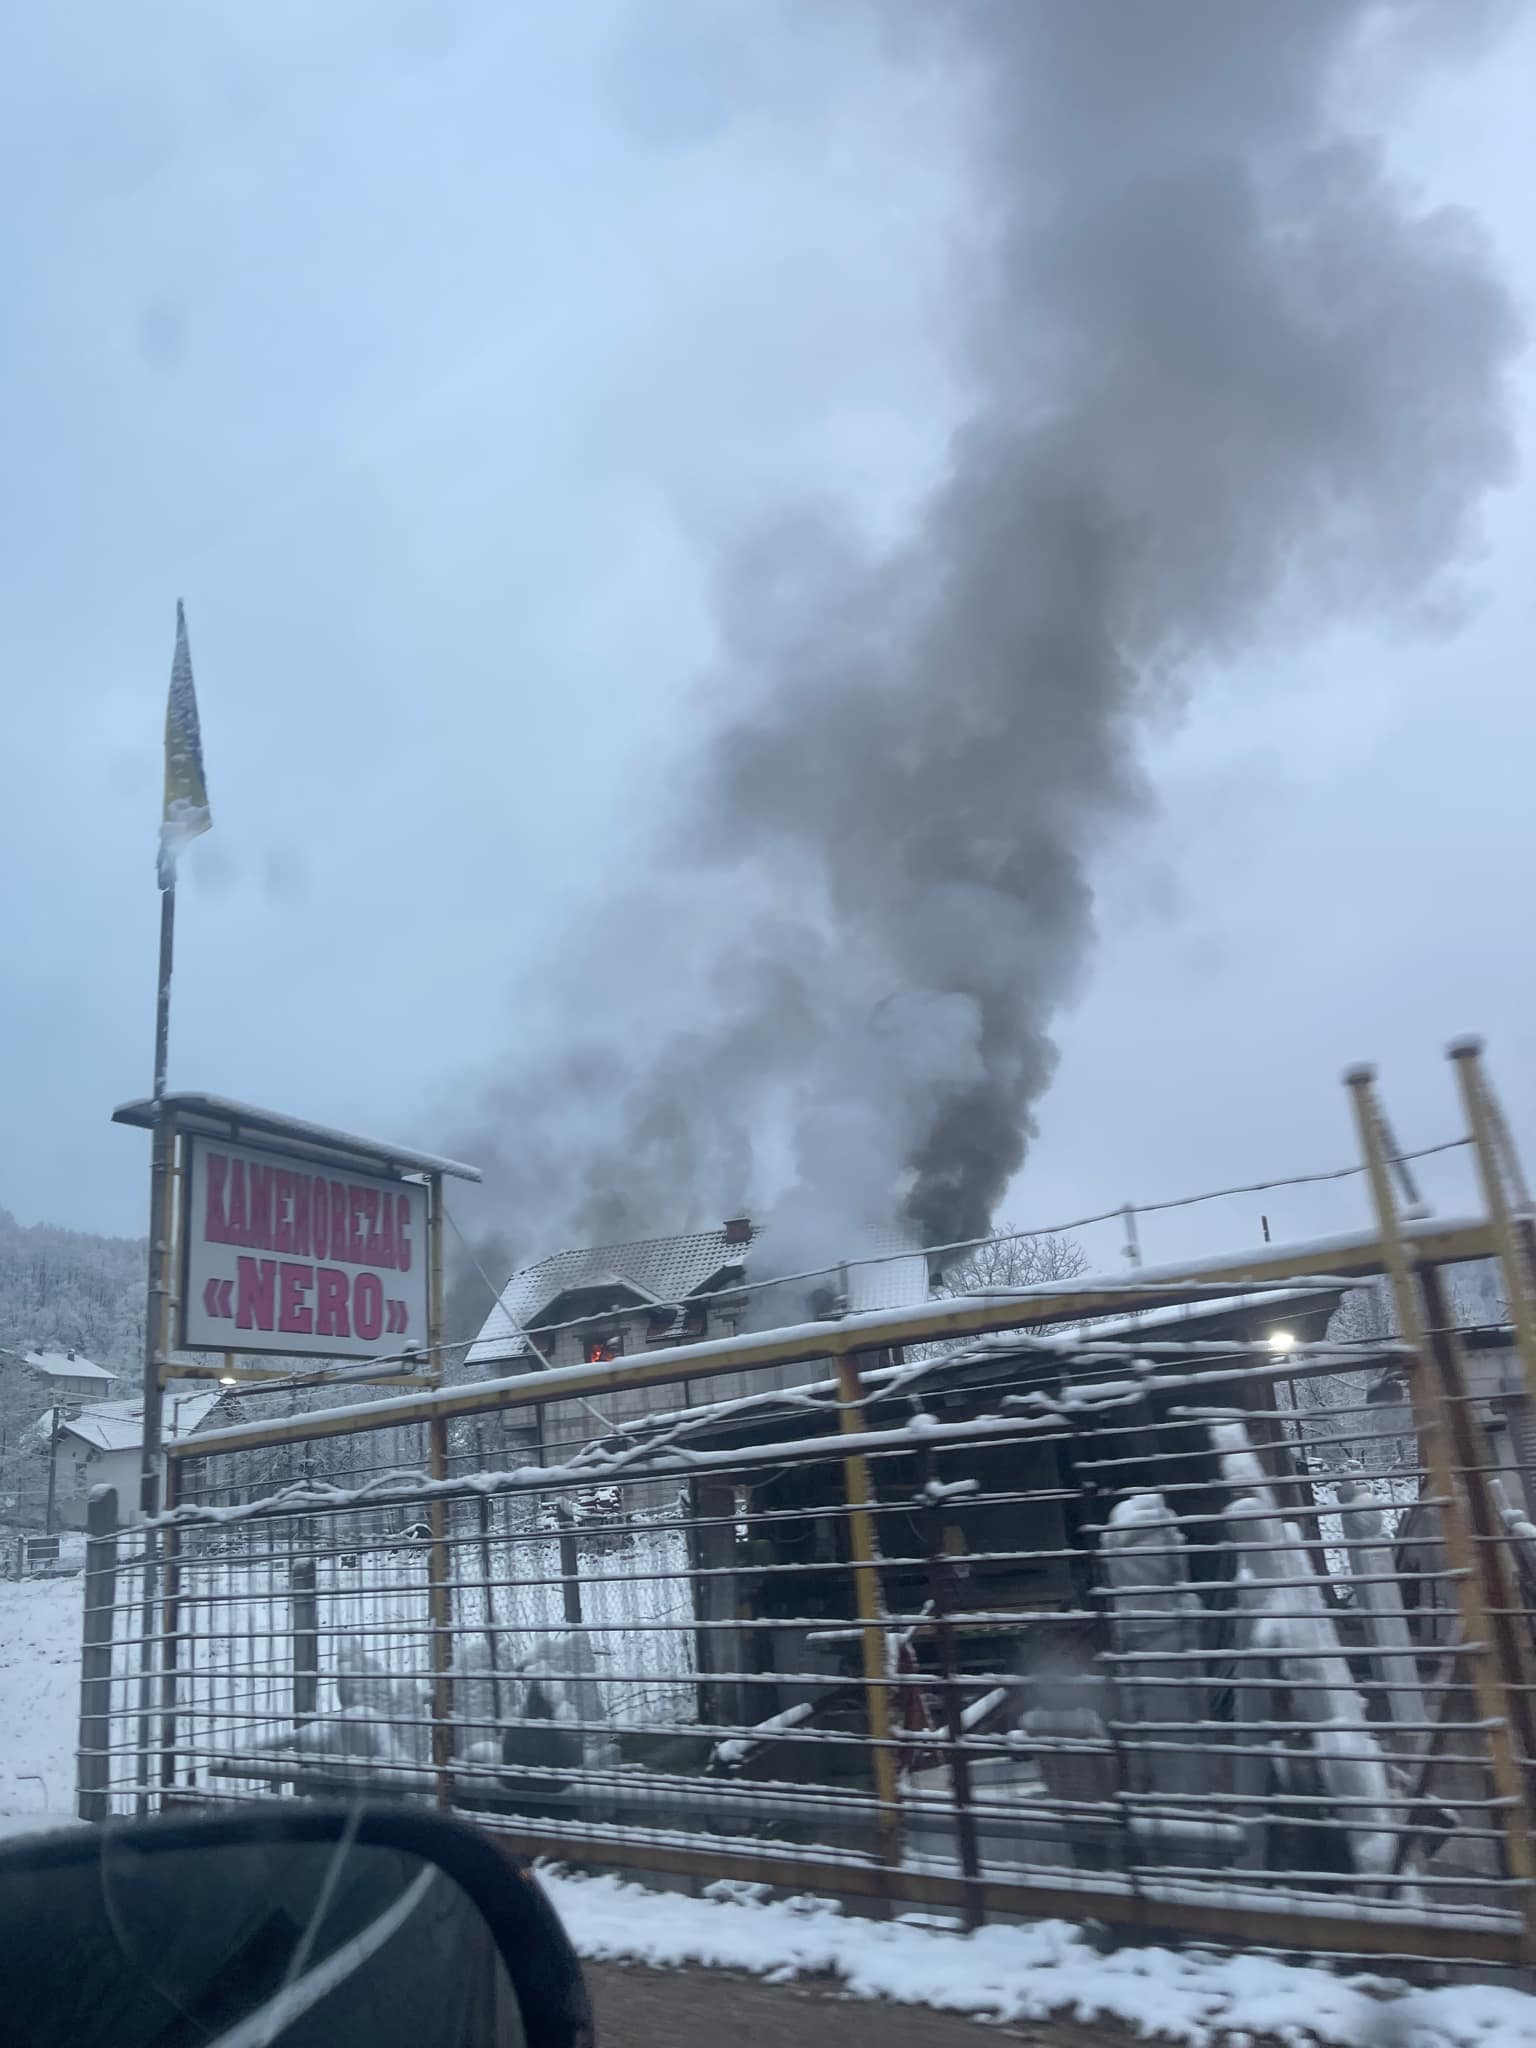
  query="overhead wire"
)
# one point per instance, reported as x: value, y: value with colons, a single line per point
x: 1136, y: 1284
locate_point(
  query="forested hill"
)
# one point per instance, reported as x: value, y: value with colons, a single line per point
x: 63, y: 1290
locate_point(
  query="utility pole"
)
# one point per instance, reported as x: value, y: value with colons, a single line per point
x: 53, y: 1467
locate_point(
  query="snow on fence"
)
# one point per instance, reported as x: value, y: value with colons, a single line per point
x: 1088, y: 1628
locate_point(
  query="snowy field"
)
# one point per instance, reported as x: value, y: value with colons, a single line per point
x: 1000, y: 1974
x: 39, y: 1701
x: 373, y: 1604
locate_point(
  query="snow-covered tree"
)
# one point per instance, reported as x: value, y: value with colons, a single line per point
x: 68, y: 1290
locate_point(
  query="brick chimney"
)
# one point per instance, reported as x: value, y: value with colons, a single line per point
x: 738, y: 1229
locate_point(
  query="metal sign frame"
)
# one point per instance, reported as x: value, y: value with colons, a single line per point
x: 193, y: 1117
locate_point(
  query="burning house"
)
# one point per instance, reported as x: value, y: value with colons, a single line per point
x: 596, y: 1306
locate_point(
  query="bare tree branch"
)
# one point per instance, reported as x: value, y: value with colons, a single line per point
x: 1008, y: 1260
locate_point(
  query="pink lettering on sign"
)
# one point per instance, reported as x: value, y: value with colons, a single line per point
x: 254, y: 1280
x: 238, y: 1232
x: 215, y: 1223
x: 316, y: 1253
x: 331, y: 1318
x: 368, y: 1305
x: 295, y: 1316
x: 258, y: 1182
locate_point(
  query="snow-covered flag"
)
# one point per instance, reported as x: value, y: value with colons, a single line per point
x: 186, y: 791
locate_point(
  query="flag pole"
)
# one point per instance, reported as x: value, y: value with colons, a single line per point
x: 156, y: 1316
x: 185, y: 815
x: 155, y: 1324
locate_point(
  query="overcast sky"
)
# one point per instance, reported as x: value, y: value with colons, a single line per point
x: 426, y: 351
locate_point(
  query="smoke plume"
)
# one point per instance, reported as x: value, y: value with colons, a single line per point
x: 1228, y: 383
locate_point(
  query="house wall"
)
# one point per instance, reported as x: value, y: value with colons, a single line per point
x: 568, y: 1424
x: 57, y: 1388
x: 78, y: 1468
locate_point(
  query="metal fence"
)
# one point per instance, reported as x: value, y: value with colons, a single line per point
x: 1181, y: 1636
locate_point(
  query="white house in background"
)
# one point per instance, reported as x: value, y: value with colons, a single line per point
x: 65, y: 1376
x: 101, y: 1445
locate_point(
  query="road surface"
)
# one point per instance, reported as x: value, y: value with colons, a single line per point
x: 694, y: 2008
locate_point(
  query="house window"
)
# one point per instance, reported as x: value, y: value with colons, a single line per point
x: 601, y: 1350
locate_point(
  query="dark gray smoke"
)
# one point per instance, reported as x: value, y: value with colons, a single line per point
x: 1229, y: 383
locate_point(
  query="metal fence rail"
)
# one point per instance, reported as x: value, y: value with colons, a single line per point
x: 1175, y: 1636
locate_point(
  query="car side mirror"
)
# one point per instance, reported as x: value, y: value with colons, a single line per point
x: 291, y: 1925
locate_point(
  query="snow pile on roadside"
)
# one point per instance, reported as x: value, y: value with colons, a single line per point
x: 1032, y: 1972
x: 39, y: 1701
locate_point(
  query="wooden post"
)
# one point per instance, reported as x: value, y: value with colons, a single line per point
x: 864, y: 1552
x: 941, y: 1579
x: 170, y: 1633
x: 570, y: 1567
x: 440, y: 1608
x: 306, y: 1639
x: 1466, y: 1558
x: 1491, y: 1547
x: 157, y: 1341
x: 53, y: 1468
x: 94, y: 1763
x: 492, y: 1633
x: 1380, y: 1597
x: 712, y: 1554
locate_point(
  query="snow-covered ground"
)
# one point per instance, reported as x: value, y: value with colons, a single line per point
x: 1030, y: 1973
x: 39, y: 1701
x: 999, y: 1973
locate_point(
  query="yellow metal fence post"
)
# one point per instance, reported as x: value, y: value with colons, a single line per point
x: 1484, y: 1123
x: 864, y: 1553
x: 1436, y: 1434
x: 439, y: 1561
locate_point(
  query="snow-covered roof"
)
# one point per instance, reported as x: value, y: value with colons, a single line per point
x: 883, y: 1271
x: 60, y: 1365
x: 1195, y: 1321
x: 1280, y: 1303
x: 654, y: 1269
x: 119, y: 1425
x: 237, y: 1120
x: 104, y: 1431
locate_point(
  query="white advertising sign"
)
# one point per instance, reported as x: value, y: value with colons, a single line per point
x: 281, y: 1254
